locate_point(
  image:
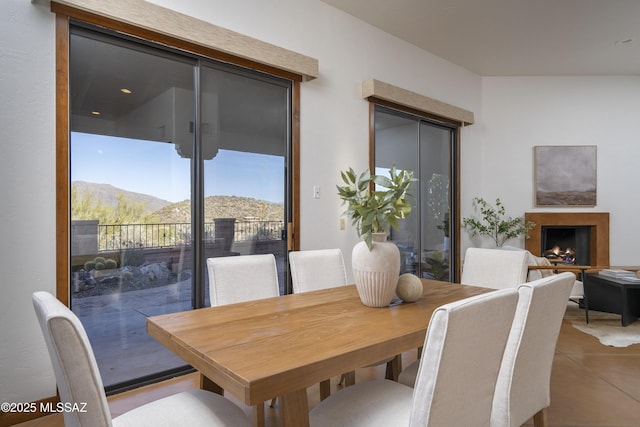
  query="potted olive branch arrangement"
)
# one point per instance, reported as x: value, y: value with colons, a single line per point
x: 494, y: 224
x: 373, y: 211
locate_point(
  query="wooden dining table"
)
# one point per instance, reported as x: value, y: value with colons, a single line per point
x: 280, y: 346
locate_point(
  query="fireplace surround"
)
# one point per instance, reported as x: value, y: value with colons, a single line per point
x: 598, y: 223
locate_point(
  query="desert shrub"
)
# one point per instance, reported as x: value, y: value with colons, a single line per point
x: 133, y: 256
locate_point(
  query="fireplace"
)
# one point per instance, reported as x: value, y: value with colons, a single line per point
x: 566, y: 244
x: 580, y: 238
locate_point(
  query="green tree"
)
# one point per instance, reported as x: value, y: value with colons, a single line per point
x: 495, y: 224
x: 85, y: 206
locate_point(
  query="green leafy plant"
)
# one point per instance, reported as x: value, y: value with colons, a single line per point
x: 375, y: 210
x: 495, y: 224
x: 439, y: 265
x: 445, y: 225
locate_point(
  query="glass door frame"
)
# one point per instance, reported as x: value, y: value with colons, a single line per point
x: 422, y: 116
x: 62, y: 24
x: 198, y: 191
x: 196, y: 173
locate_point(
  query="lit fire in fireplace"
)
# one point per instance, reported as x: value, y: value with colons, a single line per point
x: 556, y: 254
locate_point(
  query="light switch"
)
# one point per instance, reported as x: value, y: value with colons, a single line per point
x: 316, y: 192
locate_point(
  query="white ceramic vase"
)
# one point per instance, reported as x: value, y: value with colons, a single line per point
x: 376, y: 271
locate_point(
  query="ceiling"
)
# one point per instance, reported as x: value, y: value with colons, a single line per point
x: 129, y: 90
x: 515, y: 37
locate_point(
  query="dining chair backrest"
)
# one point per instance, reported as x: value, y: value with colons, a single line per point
x: 313, y: 270
x: 494, y: 268
x: 74, y: 363
x: 243, y: 278
x: 577, y: 291
x: 523, y: 386
x: 461, y: 359
x: 540, y: 261
x: 79, y: 382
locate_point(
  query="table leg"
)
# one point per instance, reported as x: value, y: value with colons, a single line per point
x: 586, y: 308
x: 207, y: 384
x: 540, y: 418
x: 258, y: 411
x: 394, y: 367
x: 349, y: 378
x: 294, y: 409
x: 257, y: 417
x: 325, y: 389
x: 624, y: 311
x: 630, y: 305
x: 585, y: 300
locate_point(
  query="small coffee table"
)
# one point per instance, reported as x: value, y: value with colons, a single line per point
x: 613, y: 295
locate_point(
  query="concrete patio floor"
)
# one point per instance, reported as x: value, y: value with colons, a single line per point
x: 116, y: 326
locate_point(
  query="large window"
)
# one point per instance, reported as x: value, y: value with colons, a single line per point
x: 173, y: 158
x: 426, y: 238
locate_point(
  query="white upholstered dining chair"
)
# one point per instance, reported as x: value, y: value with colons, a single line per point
x: 235, y: 279
x: 523, y: 386
x: 463, y: 348
x: 313, y: 270
x: 540, y: 267
x: 486, y: 268
x: 494, y: 268
x: 522, y: 389
x: 510, y: 266
x: 79, y: 382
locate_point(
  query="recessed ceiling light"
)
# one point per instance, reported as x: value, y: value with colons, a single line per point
x: 95, y: 113
x: 125, y: 90
x: 624, y: 42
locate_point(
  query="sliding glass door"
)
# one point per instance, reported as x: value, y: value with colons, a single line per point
x: 427, y: 149
x: 174, y: 159
x: 245, y: 138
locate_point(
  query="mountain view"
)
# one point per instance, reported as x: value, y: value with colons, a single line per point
x: 166, y: 212
x: 223, y: 207
x: 108, y: 194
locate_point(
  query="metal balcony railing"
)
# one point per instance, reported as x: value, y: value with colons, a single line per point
x: 130, y: 236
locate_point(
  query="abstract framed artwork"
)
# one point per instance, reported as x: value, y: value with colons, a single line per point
x: 565, y: 175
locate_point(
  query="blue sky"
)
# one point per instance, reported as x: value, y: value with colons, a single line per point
x: 156, y: 169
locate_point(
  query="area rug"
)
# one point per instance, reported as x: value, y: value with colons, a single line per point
x: 605, y: 327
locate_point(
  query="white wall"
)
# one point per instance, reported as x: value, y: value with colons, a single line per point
x: 334, y: 118
x: 334, y: 136
x: 520, y: 113
x: 27, y: 194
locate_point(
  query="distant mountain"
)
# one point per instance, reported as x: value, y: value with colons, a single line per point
x: 180, y: 212
x: 109, y: 195
x: 224, y: 207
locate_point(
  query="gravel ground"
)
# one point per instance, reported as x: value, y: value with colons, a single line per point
x: 126, y: 279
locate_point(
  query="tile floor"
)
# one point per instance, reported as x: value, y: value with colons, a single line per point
x: 592, y: 386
